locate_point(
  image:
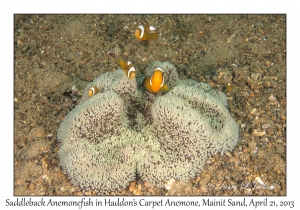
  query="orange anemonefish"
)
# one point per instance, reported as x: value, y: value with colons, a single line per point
x: 127, y: 68
x: 155, y: 83
x: 93, y: 91
x: 145, y: 32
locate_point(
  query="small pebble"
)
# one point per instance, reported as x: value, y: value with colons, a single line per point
x: 258, y: 179
x: 139, y: 187
x: 252, y: 143
x: 131, y: 186
x: 79, y: 193
x: 212, y: 84
x: 258, y: 133
x: 61, y: 117
x: 169, y: 183
x: 72, y: 190
x: 254, y: 151
x: 266, y: 126
x: 45, y: 176
x: 266, y: 84
x: 151, y: 190
x: 89, y: 193
x: 49, y: 135
x: 220, y: 176
x: 31, y: 186
x: 137, y: 192
x: 40, y: 133
x: 252, y: 111
x: 272, y: 98
x: 248, y: 191
x: 60, y: 175
x: 147, y: 184
x: 203, y: 189
x: 228, y: 153
x: 18, y: 182
x: 15, y: 99
x: 54, y: 162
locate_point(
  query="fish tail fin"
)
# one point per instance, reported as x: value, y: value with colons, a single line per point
x: 165, y: 88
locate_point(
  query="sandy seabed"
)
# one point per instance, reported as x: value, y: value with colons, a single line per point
x: 57, y: 55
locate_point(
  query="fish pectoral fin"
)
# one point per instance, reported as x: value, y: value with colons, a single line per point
x: 165, y: 88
